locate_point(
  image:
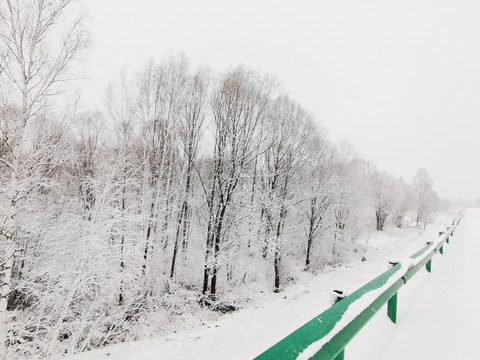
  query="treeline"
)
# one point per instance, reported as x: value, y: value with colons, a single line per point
x: 185, y: 182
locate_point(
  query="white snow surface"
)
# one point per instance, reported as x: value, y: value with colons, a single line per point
x: 364, y: 301
x: 438, y: 313
x: 423, y: 306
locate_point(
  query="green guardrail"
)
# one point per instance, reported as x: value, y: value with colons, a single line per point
x: 326, y: 336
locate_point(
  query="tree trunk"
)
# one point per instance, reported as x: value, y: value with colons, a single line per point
x: 252, y: 198
x: 150, y: 226
x: 216, y: 249
x: 311, y: 231
x: 399, y: 220
x: 10, y: 234
x: 276, y: 263
x: 277, y: 256
x: 180, y: 223
x: 186, y: 229
x: 168, y: 203
x: 6, y: 269
x: 210, y: 227
x: 309, y: 249
x: 419, y: 211
x: 122, y: 241
x: 381, y: 217
x: 186, y: 209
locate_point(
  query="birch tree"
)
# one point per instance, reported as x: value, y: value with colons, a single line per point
x: 422, y: 185
x: 36, y: 55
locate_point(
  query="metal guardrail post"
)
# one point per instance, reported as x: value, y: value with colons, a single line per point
x: 392, y: 308
x: 429, y: 266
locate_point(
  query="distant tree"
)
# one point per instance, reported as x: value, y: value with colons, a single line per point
x: 382, y: 191
x: 323, y: 189
x: 88, y: 144
x: 353, y: 202
x: 402, y: 203
x: 422, y: 187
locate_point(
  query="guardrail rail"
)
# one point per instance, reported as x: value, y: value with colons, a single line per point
x: 326, y: 336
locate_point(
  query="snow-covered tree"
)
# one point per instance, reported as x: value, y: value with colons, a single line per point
x: 422, y: 186
x: 239, y: 105
x: 36, y: 54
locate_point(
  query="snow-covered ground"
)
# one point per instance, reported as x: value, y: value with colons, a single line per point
x: 438, y: 313
x: 270, y: 317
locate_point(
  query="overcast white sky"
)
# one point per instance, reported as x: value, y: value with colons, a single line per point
x: 400, y: 80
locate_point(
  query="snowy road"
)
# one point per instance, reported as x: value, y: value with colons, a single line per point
x: 439, y: 313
